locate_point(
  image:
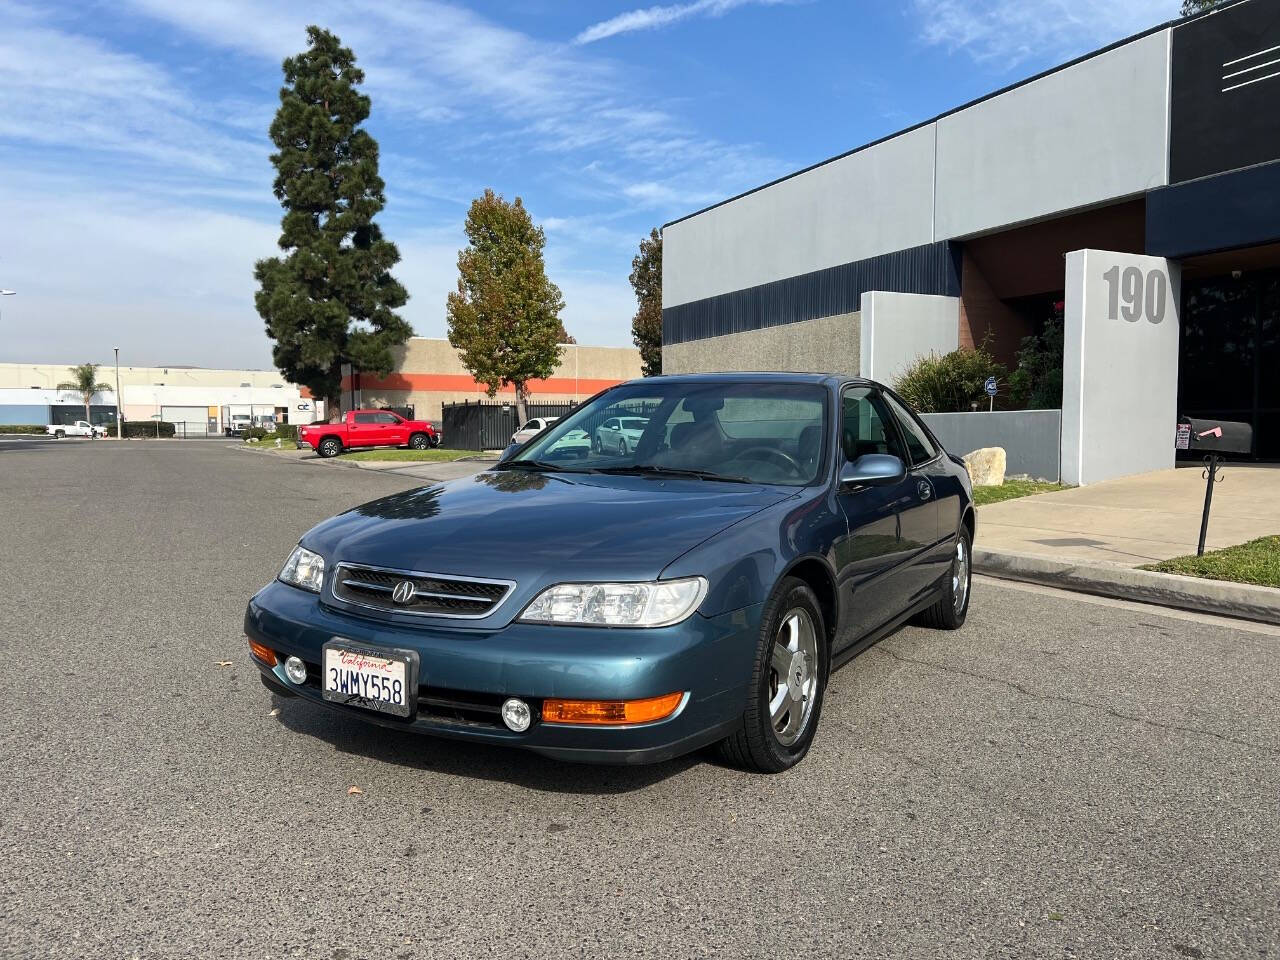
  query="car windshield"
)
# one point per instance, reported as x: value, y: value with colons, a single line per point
x: 764, y: 432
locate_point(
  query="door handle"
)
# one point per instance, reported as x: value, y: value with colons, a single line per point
x: 924, y: 489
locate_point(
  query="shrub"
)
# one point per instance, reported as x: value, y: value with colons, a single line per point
x: 287, y: 431
x: 1036, y: 383
x: 146, y: 429
x: 21, y: 428
x: 950, y: 382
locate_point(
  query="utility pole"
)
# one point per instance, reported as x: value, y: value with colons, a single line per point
x: 119, y: 428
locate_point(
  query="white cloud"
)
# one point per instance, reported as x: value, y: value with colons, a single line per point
x: 1007, y: 32
x: 654, y: 18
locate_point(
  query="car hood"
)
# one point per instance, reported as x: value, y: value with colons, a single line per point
x: 538, y: 529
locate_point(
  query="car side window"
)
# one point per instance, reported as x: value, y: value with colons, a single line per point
x: 366, y: 418
x: 919, y: 445
x: 865, y: 426
x: 611, y: 424
x: 388, y: 418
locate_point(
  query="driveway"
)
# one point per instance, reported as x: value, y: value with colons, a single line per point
x: 1065, y: 776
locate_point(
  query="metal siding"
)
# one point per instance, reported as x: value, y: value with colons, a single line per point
x: 1229, y: 210
x: 933, y: 268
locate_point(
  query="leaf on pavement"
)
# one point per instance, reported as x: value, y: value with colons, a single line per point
x: 275, y: 712
x: 353, y: 790
x: 223, y: 663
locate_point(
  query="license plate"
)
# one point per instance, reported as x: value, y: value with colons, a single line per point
x: 373, y: 678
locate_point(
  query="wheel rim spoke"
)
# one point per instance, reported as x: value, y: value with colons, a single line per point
x: 790, y: 701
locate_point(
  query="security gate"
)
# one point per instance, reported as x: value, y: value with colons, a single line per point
x: 187, y: 421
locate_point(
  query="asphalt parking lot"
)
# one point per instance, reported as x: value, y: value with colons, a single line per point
x: 1063, y: 777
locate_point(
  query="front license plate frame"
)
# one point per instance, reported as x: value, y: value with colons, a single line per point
x: 337, y: 647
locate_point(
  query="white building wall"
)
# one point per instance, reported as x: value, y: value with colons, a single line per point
x: 899, y: 328
x: 1092, y: 132
x: 1120, y: 365
x: 874, y: 201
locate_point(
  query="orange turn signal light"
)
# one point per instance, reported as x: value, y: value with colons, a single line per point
x: 265, y: 654
x: 611, y: 712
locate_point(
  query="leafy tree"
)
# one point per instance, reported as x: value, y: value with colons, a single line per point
x: 331, y: 299
x: 504, y: 319
x: 646, y: 325
x: 564, y: 336
x: 85, y: 383
x: 1198, y: 6
x: 950, y: 382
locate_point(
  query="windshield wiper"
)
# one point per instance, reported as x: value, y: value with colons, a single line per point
x: 534, y: 466
x: 649, y: 469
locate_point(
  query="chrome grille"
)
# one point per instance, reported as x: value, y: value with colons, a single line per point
x: 432, y: 594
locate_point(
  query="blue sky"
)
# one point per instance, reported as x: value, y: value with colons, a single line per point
x: 135, y: 186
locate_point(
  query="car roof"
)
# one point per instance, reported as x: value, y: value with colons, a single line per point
x: 756, y: 376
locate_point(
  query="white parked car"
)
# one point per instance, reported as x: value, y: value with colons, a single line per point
x: 531, y: 429
x: 619, y: 434
x: 77, y: 429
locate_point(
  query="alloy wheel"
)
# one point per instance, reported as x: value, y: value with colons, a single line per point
x: 793, y: 676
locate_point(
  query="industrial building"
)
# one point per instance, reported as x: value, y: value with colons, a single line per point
x: 429, y: 373
x: 1134, y: 192
x: 197, y: 400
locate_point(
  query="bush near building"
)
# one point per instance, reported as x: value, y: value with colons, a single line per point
x: 950, y: 382
x: 21, y: 428
x: 147, y: 429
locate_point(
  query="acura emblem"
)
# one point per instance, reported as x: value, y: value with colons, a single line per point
x: 404, y: 592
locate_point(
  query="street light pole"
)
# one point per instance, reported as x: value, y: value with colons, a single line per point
x: 119, y: 428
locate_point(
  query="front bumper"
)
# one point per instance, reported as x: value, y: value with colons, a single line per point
x: 465, y: 674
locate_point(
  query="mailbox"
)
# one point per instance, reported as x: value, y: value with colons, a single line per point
x: 1214, y: 436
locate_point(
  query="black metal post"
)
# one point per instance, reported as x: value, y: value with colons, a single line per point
x: 1211, y: 473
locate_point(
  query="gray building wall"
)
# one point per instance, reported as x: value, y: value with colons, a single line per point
x: 1030, y: 438
x: 1088, y: 134
x: 826, y: 345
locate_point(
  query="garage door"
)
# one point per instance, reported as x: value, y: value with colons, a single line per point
x: 187, y: 421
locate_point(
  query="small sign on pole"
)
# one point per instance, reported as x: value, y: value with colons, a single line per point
x: 991, y: 388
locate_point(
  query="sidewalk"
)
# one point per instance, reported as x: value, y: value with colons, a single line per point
x: 1092, y: 538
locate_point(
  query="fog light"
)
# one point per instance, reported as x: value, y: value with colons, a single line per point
x: 296, y: 671
x: 516, y: 714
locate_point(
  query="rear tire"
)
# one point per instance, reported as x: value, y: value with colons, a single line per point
x: 787, y: 684
x: 59, y: 434
x: 419, y: 441
x: 329, y: 447
x: 622, y: 448
x: 953, y: 606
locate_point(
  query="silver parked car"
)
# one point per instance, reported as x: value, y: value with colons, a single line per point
x: 620, y: 434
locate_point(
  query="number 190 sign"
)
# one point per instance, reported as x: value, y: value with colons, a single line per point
x: 1132, y: 294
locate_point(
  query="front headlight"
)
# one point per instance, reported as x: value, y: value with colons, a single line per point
x: 304, y: 569
x: 656, y: 604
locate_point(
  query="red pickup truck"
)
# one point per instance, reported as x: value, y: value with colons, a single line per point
x: 368, y: 428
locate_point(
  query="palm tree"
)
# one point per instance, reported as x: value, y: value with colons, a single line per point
x: 85, y: 383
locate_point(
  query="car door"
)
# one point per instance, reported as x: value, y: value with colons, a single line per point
x: 608, y: 432
x: 363, y: 430
x: 870, y: 558
x: 920, y: 519
x: 392, y: 430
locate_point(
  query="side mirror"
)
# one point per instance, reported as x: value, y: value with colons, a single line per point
x: 509, y: 451
x: 872, y: 470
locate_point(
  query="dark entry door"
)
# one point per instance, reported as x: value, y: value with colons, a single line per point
x: 1230, y: 354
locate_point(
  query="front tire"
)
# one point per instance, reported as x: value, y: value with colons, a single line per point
x: 419, y: 441
x: 953, y: 606
x: 329, y: 447
x: 787, y: 684
x: 59, y: 434
x: 622, y: 448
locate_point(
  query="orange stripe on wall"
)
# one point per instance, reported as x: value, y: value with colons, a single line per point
x: 465, y: 383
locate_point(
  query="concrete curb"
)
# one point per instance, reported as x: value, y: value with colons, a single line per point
x: 1242, y: 600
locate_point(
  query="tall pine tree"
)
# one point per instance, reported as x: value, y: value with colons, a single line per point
x: 504, y: 319
x: 646, y: 325
x: 331, y: 298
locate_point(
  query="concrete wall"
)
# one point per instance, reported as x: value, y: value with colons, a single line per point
x: 1081, y: 136
x: 429, y: 373
x: 48, y: 375
x: 874, y: 201
x: 899, y: 328
x: 1120, y: 365
x: 829, y: 344
x: 1030, y: 438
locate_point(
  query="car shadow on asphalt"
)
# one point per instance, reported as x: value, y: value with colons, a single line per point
x: 475, y: 760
